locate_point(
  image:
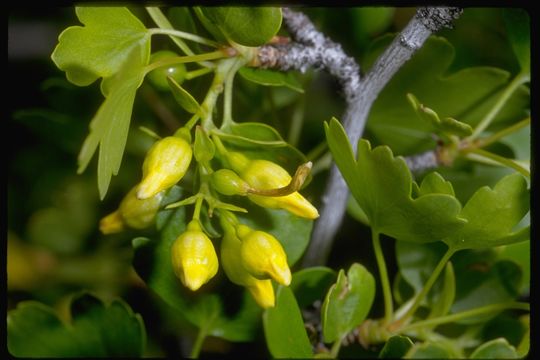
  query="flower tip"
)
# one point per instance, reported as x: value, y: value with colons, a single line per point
x: 263, y: 293
x: 282, y: 275
x: 112, y: 223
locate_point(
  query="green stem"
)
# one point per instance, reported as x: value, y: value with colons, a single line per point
x: 335, y: 348
x: 296, y: 122
x: 520, y: 79
x: 196, y: 73
x: 465, y: 314
x: 162, y: 21
x: 218, y: 54
x: 227, y: 96
x: 184, y: 35
x: 493, y: 138
x: 427, y: 287
x: 198, y: 205
x: 193, y: 121
x: 499, y: 159
x: 385, y: 283
x: 197, y: 346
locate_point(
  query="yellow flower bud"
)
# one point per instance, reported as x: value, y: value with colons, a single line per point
x: 261, y: 290
x: 264, y: 174
x: 165, y: 164
x: 194, y: 258
x: 263, y: 256
x: 227, y: 182
x: 132, y: 212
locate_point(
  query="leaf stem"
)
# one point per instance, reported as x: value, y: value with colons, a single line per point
x: 465, y: 314
x: 427, y: 286
x: 161, y: 20
x: 335, y: 348
x: 184, y: 35
x: 196, y: 73
x: 493, y: 138
x: 227, y: 95
x: 218, y: 54
x: 197, y: 346
x: 385, y: 283
x: 499, y: 159
x: 520, y: 79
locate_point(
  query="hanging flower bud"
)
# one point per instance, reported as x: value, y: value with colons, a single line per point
x: 227, y: 182
x: 165, y: 164
x: 194, y: 258
x: 263, y: 256
x: 261, y: 290
x: 265, y: 175
x: 132, y: 212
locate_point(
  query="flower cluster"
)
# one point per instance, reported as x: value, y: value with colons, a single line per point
x: 249, y: 257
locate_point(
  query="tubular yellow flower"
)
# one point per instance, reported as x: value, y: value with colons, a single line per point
x: 132, y: 212
x: 165, y: 164
x: 261, y: 290
x: 193, y: 257
x: 263, y: 256
x: 264, y: 174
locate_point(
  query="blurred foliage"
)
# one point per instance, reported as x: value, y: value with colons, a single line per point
x: 53, y: 244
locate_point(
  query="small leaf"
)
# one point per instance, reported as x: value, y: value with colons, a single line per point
x: 203, y: 149
x: 495, y: 349
x: 396, y: 347
x: 347, y: 303
x: 284, y: 329
x: 248, y: 26
x: 382, y: 184
x: 517, y: 23
x: 183, y: 98
x: 312, y: 284
x: 96, y: 330
x: 109, y: 127
x: 102, y: 46
x: 492, y: 214
x: 431, y: 350
x: 271, y: 78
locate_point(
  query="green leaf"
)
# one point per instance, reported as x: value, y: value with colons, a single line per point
x: 293, y: 232
x: 492, y: 215
x: 431, y: 350
x: 520, y: 253
x: 284, y: 329
x: 468, y: 95
x: 96, y: 330
x: 312, y: 284
x: 203, y: 148
x: 248, y: 26
x: 382, y: 184
x: 517, y: 23
x: 271, y: 78
x: 183, y: 98
x: 152, y: 261
x: 101, y: 48
x: 479, y: 273
x: 396, y: 347
x: 347, y: 303
x: 109, y: 127
x: 495, y: 349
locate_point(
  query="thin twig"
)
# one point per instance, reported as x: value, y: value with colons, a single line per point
x: 312, y: 49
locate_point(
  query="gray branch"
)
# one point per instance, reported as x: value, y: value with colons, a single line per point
x: 312, y: 49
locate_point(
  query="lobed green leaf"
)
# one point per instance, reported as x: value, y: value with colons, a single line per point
x: 96, y: 330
